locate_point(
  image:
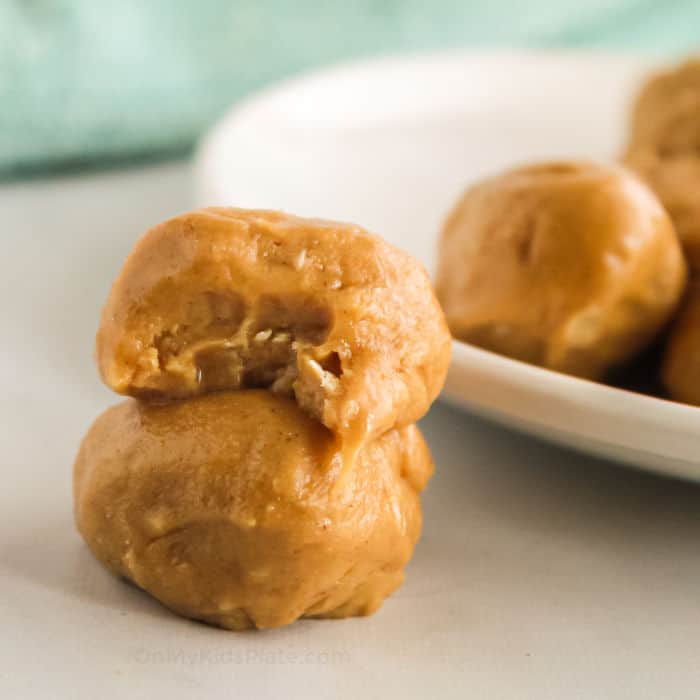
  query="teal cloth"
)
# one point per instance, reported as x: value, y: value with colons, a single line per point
x: 91, y: 82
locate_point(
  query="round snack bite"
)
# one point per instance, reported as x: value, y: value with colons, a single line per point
x: 222, y: 299
x: 681, y: 361
x: 223, y: 509
x: 665, y: 115
x: 573, y: 266
x: 676, y: 181
x: 664, y: 147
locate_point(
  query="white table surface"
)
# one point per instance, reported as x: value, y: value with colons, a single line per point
x: 541, y: 573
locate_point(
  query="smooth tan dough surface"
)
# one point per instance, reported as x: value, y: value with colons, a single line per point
x: 665, y: 114
x: 664, y: 147
x: 573, y: 266
x: 222, y: 509
x: 681, y: 362
x: 230, y: 298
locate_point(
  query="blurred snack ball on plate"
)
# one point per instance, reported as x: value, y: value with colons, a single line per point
x: 664, y: 147
x: 681, y: 361
x: 574, y: 266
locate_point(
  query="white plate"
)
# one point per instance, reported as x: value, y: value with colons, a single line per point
x: 390, y: 143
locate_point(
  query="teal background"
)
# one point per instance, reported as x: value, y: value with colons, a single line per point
x: 94, y: 82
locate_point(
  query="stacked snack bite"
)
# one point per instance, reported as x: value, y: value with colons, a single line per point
x: 268, y: 467
x: 664, y: 149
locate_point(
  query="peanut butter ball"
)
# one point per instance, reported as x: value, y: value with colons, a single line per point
x: 681, y: 361
x: 227, y: 508
x: 236, y: 299
x: 676, y: 181
x: 664, y: 147
x: 573, y: 266
x: 665, y: 115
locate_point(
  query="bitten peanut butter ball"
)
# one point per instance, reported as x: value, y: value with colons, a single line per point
x: 322, y: 311
x: 664, y: 147
x: 573, y: 266
x: 224, y: 508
